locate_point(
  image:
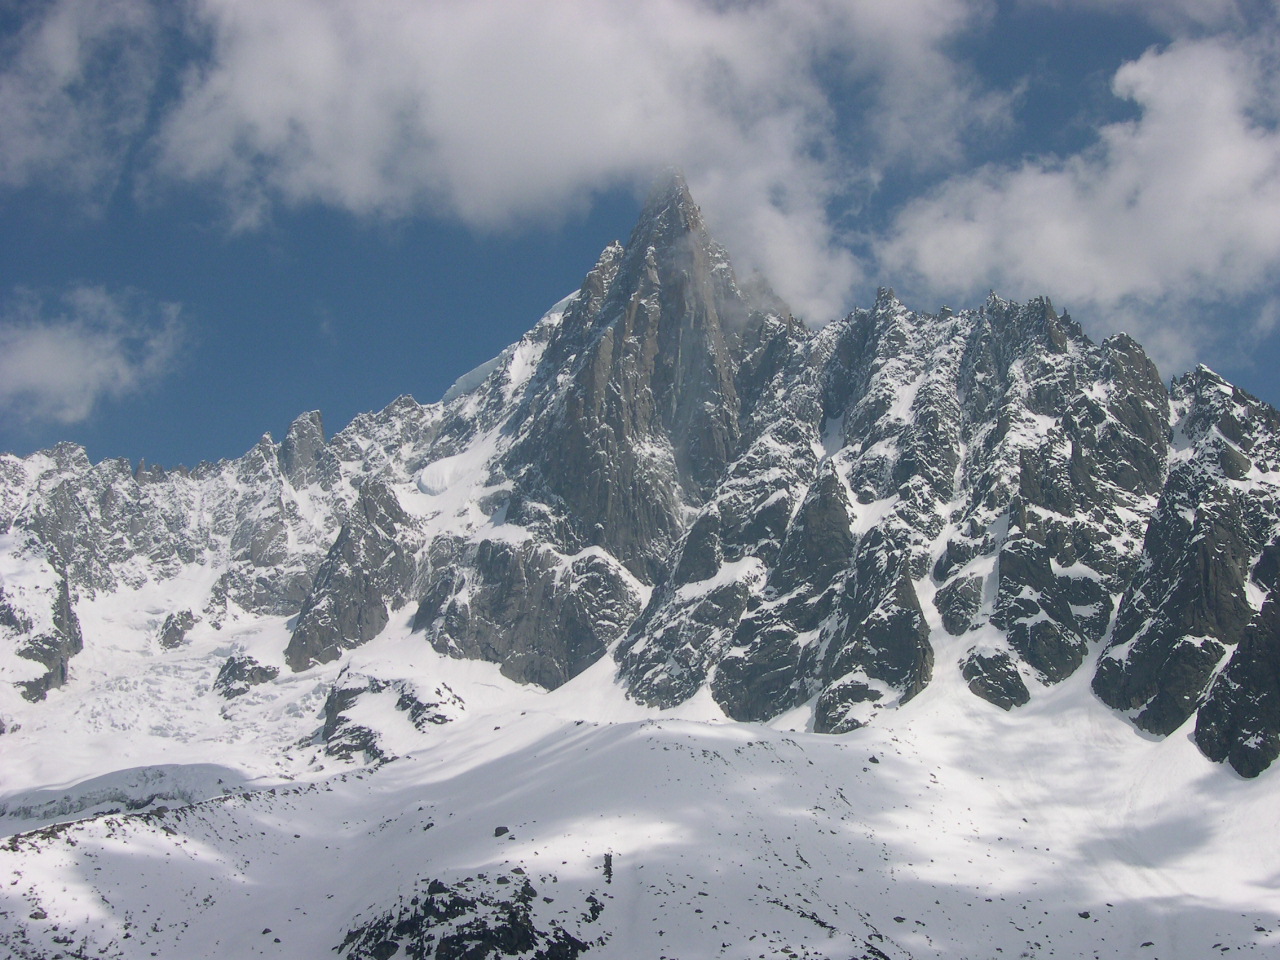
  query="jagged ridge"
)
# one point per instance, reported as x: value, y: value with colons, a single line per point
x: 671, y: 468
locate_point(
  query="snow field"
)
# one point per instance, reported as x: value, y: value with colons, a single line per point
x: 980, y: 830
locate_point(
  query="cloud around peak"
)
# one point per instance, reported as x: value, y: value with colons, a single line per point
x: 833, y: 146
x: 503, y: 114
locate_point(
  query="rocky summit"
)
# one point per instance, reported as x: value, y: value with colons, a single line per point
x: 671, y: 471
x: 672, y: 487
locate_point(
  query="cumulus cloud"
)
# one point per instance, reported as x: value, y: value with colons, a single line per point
x: 60, y: 357
x: 785, y: 115
x: 1175, y: 208
x: 502, y: 113
x: 506, y: 113
x: 75, y: 92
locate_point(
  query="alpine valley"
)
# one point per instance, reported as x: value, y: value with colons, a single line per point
x: 678, y: 630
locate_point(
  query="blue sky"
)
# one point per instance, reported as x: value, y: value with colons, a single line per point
x: 215, y: 215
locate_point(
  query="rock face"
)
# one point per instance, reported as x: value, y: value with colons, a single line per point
x: 238, y: 674
x: 672, y: 472
x: 1197, y: 631
x: 544, y: 616
x: 38, y: 622
x: 368, y: 571
x: 992, y: 459
x: 48, y: 635
x: 641, y: 408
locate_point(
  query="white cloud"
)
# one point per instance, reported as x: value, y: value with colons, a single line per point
x: 75, y: 91
x: 502, y: 113
x: 781, y: 113
x: 506, y: 113
x: 1168, y: 211
x: 59, y: 361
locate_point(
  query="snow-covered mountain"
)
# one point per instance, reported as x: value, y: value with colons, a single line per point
x: 678, y: 629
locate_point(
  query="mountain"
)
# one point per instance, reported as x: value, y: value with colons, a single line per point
x: 675, y: 606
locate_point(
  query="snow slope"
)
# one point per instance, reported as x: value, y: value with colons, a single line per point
x: 949, y: 830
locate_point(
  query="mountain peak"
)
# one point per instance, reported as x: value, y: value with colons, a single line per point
x: 669, y: 213
x: 669, y: 190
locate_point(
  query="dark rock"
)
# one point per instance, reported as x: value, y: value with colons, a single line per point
x: 819, y: 543
x: 305, y: 460
x: 240, y: 673
x: 1052, y: 473
x: 881, y: 641
x: 11, y: 617
x: 690, y: 623
x: 776, y: 494
x: 343, y: 738
x: 652, y: 416
x: 173, y: 632
x: 1048, y: 647
x: 367, y: 572
x: 835, y: 712
x: 994, y: 678
x: 1188, y: 605
x: 701, y: 555
x: 1033, y: 606
x: 1132, y: 438
x: 774, y: 669
x: 956, y: 554
x: 543, y: 616
x: 670, y: 649
x: 959, y: 602
x: 769, y: 676
x: 52, y: 648
x: 1239, y: 720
